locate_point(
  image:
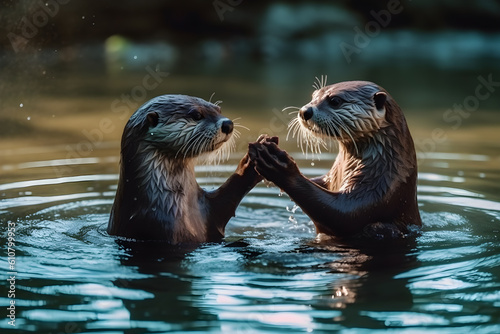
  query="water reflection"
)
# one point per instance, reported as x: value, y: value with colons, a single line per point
x: 271, y: 273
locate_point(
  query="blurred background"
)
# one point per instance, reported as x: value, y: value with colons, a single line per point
x: 73, y: 71
x: 67, y: 65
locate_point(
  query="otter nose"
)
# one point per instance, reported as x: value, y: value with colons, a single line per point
x: 306, y: 113
x: 227, y: 126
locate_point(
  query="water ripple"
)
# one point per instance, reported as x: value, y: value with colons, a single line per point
x: 270, y: 274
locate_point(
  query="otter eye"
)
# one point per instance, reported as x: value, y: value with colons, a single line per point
x: 195, y: 115
x: 336, y: 102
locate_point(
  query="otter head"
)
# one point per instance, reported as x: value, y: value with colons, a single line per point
x: 180, y: 127
x: 347, y: 111
x: 157, y: 195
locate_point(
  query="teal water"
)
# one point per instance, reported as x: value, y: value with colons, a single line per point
x: 270, y: 274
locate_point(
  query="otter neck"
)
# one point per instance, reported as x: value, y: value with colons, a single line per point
x: 374, y: 161
x: 172, y: 194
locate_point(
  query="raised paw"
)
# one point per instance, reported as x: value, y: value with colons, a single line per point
x: 271, y: 162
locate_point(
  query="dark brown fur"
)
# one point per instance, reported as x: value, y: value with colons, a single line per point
x: 371, y: 187
x: 158, y: 197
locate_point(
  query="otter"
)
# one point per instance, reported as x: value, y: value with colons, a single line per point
x: 371, y: 188
x: 158, y: 197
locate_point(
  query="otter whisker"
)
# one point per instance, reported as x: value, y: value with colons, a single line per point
x: 330, y: 129
x: 237, y: 133
x: 211, y: 96
x: 290, y: 107
x: 218, y: 102
x: 320, y: 83
x: 239, y: 125
x: 315, y: 142
x: 295, y: 128
x: 193, y: 145
x: 202, y: 146
x: 292, y: 127
x: 305, y: 137
x: 345, y: 128
x: 316, y: 86
x: 185, y: 147
x: 223, y: 152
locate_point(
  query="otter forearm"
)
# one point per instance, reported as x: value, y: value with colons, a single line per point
x: 224, y: 201
x: 320, y: 181
x: 328, y: 210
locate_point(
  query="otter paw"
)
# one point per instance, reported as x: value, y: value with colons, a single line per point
x: 264, y: 138
x: 272, y: 162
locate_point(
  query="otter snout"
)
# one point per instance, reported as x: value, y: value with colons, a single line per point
x: 227, y: 126
x: 306, y: 113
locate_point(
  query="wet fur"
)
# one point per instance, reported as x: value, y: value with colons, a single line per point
x: 158, y: 196
x: 371, y: 187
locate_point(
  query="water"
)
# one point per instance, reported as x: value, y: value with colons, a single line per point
x: 270, y: 274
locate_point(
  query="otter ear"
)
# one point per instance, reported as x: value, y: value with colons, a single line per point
x: 380, y: 98
x: 152, y: 118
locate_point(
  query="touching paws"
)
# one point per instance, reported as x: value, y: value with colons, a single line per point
x: 270, y: 161
x: 247, y: 165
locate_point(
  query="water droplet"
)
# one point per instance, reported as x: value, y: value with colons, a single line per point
x: 293, y: 209
x: 135, y: 57
x: 482, y: 175
x: 21, y: 105
x: 153, y: 208
x: 135, y: 198
x: 312, y: 163
x: 152, y: 134
x: 28, y: 118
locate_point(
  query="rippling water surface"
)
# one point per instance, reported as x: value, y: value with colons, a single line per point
x: 59, y: 155
x: 269, y: 275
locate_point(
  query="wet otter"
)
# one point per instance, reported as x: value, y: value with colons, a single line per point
x: 371, y: 187
x: 158, y: 197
